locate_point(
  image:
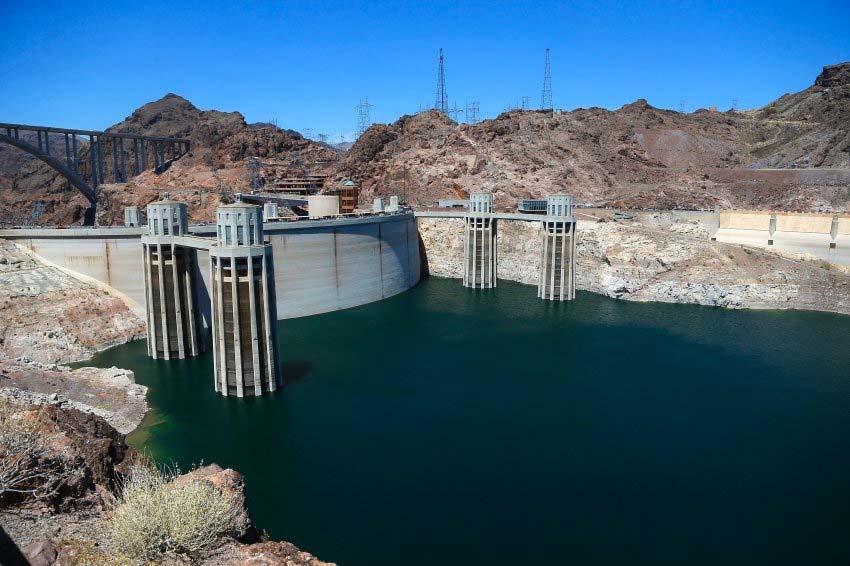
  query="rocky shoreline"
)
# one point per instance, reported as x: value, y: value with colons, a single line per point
x: 653, y: 257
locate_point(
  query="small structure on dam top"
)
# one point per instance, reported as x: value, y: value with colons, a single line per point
x: 480, y: 252
x: 243, y: 304
x: 132, y: 217
x: 557, y: 262
x: 172, y: 318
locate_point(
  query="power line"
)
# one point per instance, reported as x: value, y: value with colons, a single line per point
x: 442, y: 102
x: 546, y: 100
x: 364, y: 119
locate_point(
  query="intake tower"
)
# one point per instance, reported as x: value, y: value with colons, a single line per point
x: 173, y: 329
x: 243, y: 304
x: 557, y: 263
x: 480, y: 253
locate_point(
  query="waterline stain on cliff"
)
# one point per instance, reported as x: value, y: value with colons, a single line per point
x: 446, y: 425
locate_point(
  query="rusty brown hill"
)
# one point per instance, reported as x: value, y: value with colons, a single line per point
x: 636, y: 156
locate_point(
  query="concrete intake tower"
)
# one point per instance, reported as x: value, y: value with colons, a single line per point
x: 557, y: 262
x: 480, y: 250
x: 172, y: 318
x: 244, y: 325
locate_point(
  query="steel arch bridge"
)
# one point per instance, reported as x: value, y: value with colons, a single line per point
x: 108, y: 154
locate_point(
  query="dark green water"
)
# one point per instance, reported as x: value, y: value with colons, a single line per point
x: 459, y: 427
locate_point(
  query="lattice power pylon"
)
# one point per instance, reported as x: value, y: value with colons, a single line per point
x: 442, y: 101
x: 364, y: 119
x: 546, y: 99
x: 472, y: 112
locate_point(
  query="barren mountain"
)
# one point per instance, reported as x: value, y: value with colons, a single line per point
x: 636, y: 156
x: 222, y: 142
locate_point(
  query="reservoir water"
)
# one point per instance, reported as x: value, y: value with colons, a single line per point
x: 449, y: 426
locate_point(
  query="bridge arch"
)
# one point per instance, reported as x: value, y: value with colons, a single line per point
x: 74, y: 178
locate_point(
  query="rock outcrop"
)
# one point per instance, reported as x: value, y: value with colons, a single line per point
x: 655, y: 258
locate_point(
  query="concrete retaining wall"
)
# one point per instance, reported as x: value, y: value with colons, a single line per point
x: 744, y: 220
x: 319, y: 266
x: 808, y: 223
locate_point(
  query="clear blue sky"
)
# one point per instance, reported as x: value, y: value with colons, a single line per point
x: 307, y: 64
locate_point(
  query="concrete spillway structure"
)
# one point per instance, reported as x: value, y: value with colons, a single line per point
x: 557, y: 263
x: 173, y: 329
x: 480, y: 248
x: 243, y: 304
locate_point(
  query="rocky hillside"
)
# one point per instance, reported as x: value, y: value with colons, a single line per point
x: 32, y: 193
x: 636, y: 156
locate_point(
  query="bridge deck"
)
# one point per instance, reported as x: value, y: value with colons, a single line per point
x: 54, y: 130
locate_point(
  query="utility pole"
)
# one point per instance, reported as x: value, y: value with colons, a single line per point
x: 546, y: 101
x: 442, y: 102
x: 364, y: 119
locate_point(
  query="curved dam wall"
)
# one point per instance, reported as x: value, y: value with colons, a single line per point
x: 319, y: 266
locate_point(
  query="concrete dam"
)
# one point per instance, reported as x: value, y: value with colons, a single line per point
x: 320, y: 265
x: 229, y: 282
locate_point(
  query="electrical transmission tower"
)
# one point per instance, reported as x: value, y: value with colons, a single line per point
x: 308, y: 133
x: 454, y: 112
x: 323, y: 138
x: 682, y: 104
x: 546, y: 102
x: 524, y: 105
x: 472, y: 112
x: 254, y: 167
x: 442, y: 102
x: 364, y: 120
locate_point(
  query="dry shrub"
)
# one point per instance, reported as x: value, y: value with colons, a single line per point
x: 153, y: 517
